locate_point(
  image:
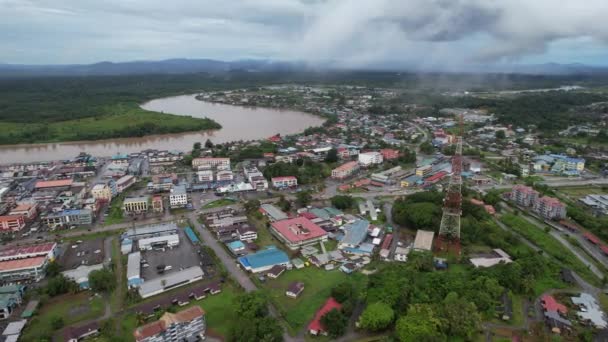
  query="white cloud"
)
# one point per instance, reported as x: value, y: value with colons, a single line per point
x: 356, y: 32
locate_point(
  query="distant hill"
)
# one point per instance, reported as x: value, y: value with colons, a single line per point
x: 188, y: 66
x: 169, y: 66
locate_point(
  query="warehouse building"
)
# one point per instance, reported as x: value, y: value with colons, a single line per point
x: 143, y: 232
x: 133, y: 270
x: 164, y: 241
x: 170, y: 281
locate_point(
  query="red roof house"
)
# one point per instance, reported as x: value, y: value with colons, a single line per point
x: 550, y: 304
x: 316, y: 327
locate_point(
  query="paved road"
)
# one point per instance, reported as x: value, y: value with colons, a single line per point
x: 592, y: 249
x: 239, y: 274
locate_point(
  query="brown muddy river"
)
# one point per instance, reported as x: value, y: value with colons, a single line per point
x: 238, y: 123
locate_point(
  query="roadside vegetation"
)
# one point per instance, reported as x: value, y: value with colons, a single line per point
x: 549, y: 245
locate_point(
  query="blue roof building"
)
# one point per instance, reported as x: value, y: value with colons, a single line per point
x: 264, y: 260
x: 236, y: 247
x: 190, y: 234
x: 354, y: 234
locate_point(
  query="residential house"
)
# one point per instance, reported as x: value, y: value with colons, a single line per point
x: 294, y: 289
x: 316, y: 327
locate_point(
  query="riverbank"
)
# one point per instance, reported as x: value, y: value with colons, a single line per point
x: 122, y: 121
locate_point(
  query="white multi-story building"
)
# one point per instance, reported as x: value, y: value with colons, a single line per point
x: 284, y: 182
x: 255, y: 178
x: 524, y: 195
x: 178, y: 197
x: 224, y: 176
x: 208, y: 162
x: 370, y: 158
x: 205, y: 176
x: 124, y: 182
x: 185, y: 325
x: 345, y: 170
x: 101, y: 192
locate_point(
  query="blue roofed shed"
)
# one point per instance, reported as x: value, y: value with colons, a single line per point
x: 191, y: 235
x: 264, y: 260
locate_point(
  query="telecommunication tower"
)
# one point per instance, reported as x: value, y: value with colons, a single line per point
x: 449, y: 231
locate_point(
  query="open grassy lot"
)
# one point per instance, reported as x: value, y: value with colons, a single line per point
x: 116, y: 214
x: 70, y: 308
x: 317, y: 288
x: 218, y: 203
x: 121, y: 120
x: 549, y: 245
x: 582, y: 191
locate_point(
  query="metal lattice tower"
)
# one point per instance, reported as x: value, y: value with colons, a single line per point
x: 452, y: 204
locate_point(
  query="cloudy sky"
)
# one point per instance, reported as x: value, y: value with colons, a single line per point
x: 423, y: 33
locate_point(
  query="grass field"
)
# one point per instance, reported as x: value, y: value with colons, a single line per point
x: 116, y: 214
x: 317, y: 288
x: 549, y: 245
x: 71, y: 308
x: 581, y: 191
x: 122, y: 120
x: 218, y: 203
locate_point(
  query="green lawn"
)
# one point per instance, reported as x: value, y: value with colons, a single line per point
x: 218, y: 203
x: 549, y: 245
x: 581, y: 191
x: 121, y: 120
x: 71, y: 308
x: 116, y: 214
x: 317, y: 288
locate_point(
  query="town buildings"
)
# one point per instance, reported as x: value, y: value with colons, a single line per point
x: 157, y: 204
x: 370, y: 158
x: 208, y: 163
x: 124, y: 182
x: 345, y: 170
x: 297, y: 232
x: 550, y: 208
x: 284, y: 182
x: 68, y: 217
x: 178, y: 197
x: 12, y: 223
x: 547, y: 207
x: 524, y: 195
x: 22, y: 264
x: 136, y: 205
x: 102, y: 191
x: 185, y: 325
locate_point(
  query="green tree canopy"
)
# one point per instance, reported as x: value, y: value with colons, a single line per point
x: 377, y: 316
x: 343, y: 201
x: 335, y: 323
x: 102, y: 280
x: 420, y: 324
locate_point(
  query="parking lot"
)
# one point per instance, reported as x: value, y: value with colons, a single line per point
x: 183, y: 256
x: 88, y: 252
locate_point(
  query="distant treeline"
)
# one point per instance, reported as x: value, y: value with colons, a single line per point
x: 52, y: 99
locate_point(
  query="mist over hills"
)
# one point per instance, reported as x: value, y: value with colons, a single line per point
x: 186, y: 66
